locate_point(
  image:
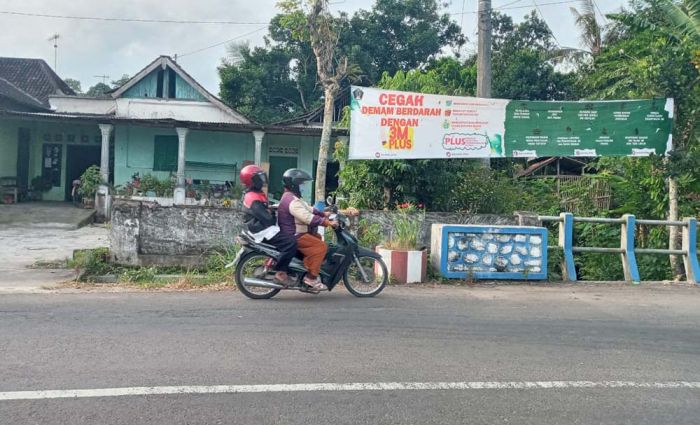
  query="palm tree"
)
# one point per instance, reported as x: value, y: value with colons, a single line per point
x: 591, y: 30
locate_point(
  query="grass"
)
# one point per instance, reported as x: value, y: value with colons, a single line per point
x: 93, y: 265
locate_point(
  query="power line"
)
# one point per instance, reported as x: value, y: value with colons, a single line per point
x: 220, y: 43
x: 521, y: 7
x: 605, y: 18
x: 539, y: 11
x: 138, y: 20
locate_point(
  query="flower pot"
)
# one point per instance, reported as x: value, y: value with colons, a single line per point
x: 405, y: 266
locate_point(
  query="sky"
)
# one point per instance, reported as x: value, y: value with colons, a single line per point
x: 91, y: 48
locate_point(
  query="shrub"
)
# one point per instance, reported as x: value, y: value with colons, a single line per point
x: 407, y: 226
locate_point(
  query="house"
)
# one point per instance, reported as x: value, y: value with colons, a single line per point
x: 162, y: 122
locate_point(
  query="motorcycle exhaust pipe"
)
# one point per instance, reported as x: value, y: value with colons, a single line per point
x: 249, y: 281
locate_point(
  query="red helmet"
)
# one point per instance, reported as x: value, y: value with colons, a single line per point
x: 253, y: 176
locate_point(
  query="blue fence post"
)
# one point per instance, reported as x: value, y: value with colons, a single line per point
x: 629, y: 259
x: 566, y: 243
x: 690, y: 243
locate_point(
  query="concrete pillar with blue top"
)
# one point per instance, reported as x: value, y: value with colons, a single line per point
x: 566, y: 243
x: 629, y: 259
x: 690, y: 243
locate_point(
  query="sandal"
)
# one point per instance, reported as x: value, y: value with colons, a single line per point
x: 314, y: 285
x: 284, y: 282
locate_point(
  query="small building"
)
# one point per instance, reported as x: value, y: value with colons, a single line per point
x: 575, y: 181
x: 161, y: 122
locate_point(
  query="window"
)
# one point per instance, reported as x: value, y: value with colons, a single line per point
x: 165, y: 153
x: 159, y: 87
x: 171, y: 84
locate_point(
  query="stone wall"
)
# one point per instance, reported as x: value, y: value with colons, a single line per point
x: 146, y: 233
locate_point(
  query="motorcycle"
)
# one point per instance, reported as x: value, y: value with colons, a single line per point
x: 362, y: 270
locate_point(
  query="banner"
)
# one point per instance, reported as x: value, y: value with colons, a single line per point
x: 388, y: 124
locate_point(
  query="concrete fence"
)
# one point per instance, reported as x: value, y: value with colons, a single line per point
x: 147, y: 233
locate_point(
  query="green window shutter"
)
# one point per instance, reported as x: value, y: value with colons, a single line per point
x: 165, y: 153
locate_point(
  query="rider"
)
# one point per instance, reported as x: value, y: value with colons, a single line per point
x: 261, y: 221
x: 298, y: 218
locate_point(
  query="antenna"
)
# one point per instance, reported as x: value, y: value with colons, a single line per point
x: 55, y: 38
x: 104, y: 78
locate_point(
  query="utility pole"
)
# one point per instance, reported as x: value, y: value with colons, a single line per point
x: 483, y: 68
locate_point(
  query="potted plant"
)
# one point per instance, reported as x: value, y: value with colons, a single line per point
x: 40, y: 185
x: 406, y: 263
x: 90, y: 181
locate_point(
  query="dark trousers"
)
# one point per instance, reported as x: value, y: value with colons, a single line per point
x: 287, y: 247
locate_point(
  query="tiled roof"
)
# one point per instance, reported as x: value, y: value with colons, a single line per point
x: 9, y: 91
x: 34, y: 77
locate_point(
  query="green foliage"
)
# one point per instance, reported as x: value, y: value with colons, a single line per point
x: 369, y: 235
x: 398, y: 35
x: 89, y: 182
x: 90, y: 262
x: 139, y: 275
x: 217, y: 262
x: 521, y: 63
x: 279, y: 80
x: 121, y: 81
x: 74, y: 85
x: 161, y: 187
x: 407, y: 223
x: 98, y: 90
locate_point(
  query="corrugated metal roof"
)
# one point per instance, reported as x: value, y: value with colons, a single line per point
x: 171, y: 123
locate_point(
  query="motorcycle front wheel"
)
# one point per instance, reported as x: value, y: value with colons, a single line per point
x: 252, y: 265
x: 366, y: 276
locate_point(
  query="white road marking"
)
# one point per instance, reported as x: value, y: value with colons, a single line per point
x: 379, y: 386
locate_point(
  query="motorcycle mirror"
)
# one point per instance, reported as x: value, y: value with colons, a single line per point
x: 329, y: 200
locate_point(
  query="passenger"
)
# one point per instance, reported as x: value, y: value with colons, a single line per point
x: 262, y: 223
x: 298, y: 218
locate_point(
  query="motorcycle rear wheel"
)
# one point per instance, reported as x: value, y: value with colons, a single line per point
x: 247, y: 266
x: 374, y: 270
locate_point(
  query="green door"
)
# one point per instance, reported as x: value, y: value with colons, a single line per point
x: 278, y: 165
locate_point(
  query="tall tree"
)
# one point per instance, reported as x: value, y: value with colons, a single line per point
x: 321, y: 30
x: 98, y: 90
x: 653, y: 56
x: 399, y: 35
x: 522, y: 65
x: 74, y: 85
x: 121, y: 81
x: 589, y: 27
x: 393, y: 35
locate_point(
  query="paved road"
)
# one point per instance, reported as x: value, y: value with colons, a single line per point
x: 516, y: 335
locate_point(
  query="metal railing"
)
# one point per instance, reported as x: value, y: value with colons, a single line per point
x: 627, y: 249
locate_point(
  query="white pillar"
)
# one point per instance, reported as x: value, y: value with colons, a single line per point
x: 106, y: 130
x: 180, y: 193
x: 258, y: 135
x: 103, y: 201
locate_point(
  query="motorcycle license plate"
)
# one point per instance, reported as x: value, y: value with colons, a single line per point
x: 235, y: 261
